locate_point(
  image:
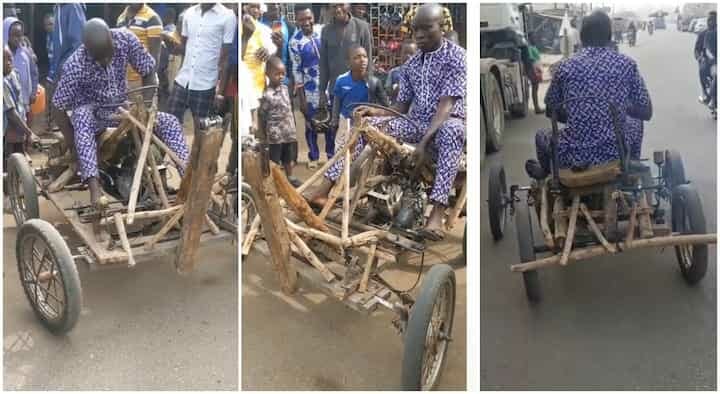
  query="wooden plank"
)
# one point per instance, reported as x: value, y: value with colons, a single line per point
x: 571, y: 230
x: 560, y: 221
x: 346, y: 198
x: 165, y: 228
x: 274, y: 228
x: 251, y: 235
x: 209, y: 142
x: 368, y: 267
x: 547, y: 234
x: 645, y: 221
x: 333, y: 196
x: 140, y: 168
x: 596, y: 230
x: 294, y: 200
x: 360, y: 187
x: 120, y: 225
x: 310, y: 256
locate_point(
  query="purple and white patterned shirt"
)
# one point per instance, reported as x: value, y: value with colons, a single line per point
x: 429, y: 76
x: 85, y: 82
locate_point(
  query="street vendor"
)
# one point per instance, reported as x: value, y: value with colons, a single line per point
x: 597, y: 71
x: 432, y: 94
x: 93, y: 77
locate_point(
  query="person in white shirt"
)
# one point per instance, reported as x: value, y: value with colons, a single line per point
x: 207, y: 35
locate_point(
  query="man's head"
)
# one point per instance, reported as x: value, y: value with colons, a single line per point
x: 7, y: 60
x: 359, y: 10
x: 16, y: 35
x: 98, y: 41
x: 596, y: 30
x: 275, y: 71
x: 712, y: 20
x: 170, y: 16
x: 304, y: 18
x: 254, y: 10
x: 358, y: 59
x: 341, y: 12
x: 407, y: 50
x: 273, y: 12
x: 426, y: 27
x: 49, y: 22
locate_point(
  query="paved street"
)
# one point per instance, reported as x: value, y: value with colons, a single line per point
x: 145, y: 328
x: 626, y: 322
x: 312, y: 342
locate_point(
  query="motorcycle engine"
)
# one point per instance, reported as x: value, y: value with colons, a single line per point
x: 412, y: 207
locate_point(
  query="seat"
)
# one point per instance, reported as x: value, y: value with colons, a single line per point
x: 595, y: 175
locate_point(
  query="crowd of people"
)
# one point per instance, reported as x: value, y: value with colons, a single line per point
x: 326, y: 73
x: 190, y: 53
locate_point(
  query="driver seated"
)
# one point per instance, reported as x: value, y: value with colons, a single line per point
x: 432, y: 94
x: 602, y: 75
x: 94, y: 75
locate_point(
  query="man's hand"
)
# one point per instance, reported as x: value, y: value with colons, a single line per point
x: 363, y: 111
x: 262, y: 54
x: 219, y: 101
x: 277, y: 39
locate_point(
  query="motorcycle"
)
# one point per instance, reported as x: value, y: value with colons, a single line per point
x: 710, y: 84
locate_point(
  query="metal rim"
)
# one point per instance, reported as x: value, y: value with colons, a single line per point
x: 498, y: 116
x: 437, y: 336
x: 17, y: 197
x: 42, y: 279
x: 247, y: 213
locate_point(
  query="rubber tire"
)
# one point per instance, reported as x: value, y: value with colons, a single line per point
x: 497, y: 188
x: 526, y: 248
x: 686, y: 199
x: 521, y: 110
x: 18, y: 163
x: 420, y: 315
x: 483, y: 139
x: 464, y: 250
x: 245, y: 189
x: 674, y: 171
x: 68, y: 271
x: 495, y: 101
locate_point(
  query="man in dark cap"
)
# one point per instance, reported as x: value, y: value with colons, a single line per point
x: 92, y: 78
x: 432, y: 94
x: 598, y: 71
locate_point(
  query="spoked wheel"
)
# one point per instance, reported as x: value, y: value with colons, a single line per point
x: 428, y: 330
x: 247, y: 210
x: 526, y: 247
x: 48, y: 275
x: 674, y: 171
x: 22, y: 189
x: 688, y: 218
x: 497, y: 198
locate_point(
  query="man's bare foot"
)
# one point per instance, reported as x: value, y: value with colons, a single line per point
x: 97, y: 199
x: 433, y: 229
x: 318, y: 196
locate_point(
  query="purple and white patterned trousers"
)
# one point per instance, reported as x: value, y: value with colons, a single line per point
x: 446, y: 147
x: 87, y: 125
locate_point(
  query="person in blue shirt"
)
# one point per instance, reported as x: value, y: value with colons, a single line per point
x: 354, y: 87
x: 281, y: 38
x: 67, y: 35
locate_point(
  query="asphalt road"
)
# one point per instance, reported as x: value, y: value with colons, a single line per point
x: 309, y: 341
x: 624, y: 322
x: 145, y: 328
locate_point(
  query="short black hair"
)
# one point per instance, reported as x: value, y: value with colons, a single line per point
x: 273, y: 63
x: 302, y: 7
x: 596, y: 30
x: 353, y: 48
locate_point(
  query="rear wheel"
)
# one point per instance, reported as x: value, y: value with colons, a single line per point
x: 674, y: 170
x: 497, y: 198
x: 495, y: 116
x: 526, y: 248
x: 520, y: 110
x: 688, y: 218
x: 22, y: 189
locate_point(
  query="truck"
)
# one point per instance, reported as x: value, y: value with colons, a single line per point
x: 504, y: 67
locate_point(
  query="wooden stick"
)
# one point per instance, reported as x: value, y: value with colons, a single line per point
x: 211, y: 225
x: 645, y: 222
x: 360, y: 185
x: 368, y: 266
x: 594, y: 251
x: 124, y: 239
x: 174, y: 157
x: 310, y: 256
x: 333, y: 196
x: 598, y: 234
x: 294, y: 200
x: 251, y: 235
x: 150, y: 214
x: 346, y: 198
x: 338, y: 155
x: 547, y: 234
x: 630, y: 236
x: 142, y: 158
x: 571, y: 230
x: 165, y: 228
x: 62, y: 180
x: 560, y: 221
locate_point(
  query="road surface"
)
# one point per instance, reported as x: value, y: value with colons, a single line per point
x: 626, y: 322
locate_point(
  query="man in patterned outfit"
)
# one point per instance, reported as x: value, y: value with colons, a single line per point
x: 93, y: 77
x: 598, y: 71
x: 305, y: 57
x: 432, y: 94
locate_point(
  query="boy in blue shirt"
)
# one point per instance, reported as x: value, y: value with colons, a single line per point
x: 353, y: 87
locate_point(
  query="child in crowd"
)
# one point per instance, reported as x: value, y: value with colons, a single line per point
x: 276, y: 121
x: 16, y: 130
x: 392, y: 83
x: 354, y: 87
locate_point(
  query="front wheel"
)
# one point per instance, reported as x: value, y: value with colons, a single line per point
x: 688, y: 218
x: 23, y: 191
x: 497, y: 198
x: 526, y: 248
x: 428, y: 330
x: 48, y: 275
